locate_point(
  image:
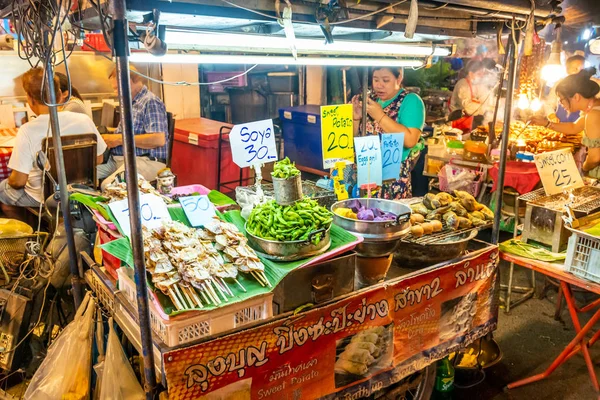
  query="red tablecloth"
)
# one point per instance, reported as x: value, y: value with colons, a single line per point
x: 521, y: 176
x: 5, y: 153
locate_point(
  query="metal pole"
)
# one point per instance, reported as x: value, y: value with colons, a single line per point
x: 76, y: 281
x: 498, y: 98
x: 121, y: 49
x: 365, y: 96
x: 512, y: 73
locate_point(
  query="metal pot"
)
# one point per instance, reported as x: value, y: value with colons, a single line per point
x: 287, y: 191
x: 415, y: 255
x: 380, y: 238
x: 292, y: 250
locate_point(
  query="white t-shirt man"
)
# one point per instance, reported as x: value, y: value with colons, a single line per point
x: 29, y: 141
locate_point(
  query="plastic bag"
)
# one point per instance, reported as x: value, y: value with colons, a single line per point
x: 118, y: 379
x: 66, y: 370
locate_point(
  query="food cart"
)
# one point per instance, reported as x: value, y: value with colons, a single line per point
x: 229, y: 340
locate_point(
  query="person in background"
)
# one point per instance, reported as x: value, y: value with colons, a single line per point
x: 23, y: 188
x: 392, y: 109
x: 75, y: 103
x: 468, y: 97
x: 573, y: 65
x: 577, y: 94
x: 150, y: 128
x: 481, y: 53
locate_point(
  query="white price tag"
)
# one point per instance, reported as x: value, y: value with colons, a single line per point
x: 198, y: 210
x: 392, y: 147
x: 253, y: 143
x: 153, y: 211
x: 558, y: 171
x: 368, y: 159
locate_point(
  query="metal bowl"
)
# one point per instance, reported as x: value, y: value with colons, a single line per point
x: 380, y: 238
x: 292, y: 250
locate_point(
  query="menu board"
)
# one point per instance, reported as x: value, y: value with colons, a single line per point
x: 337, y: 133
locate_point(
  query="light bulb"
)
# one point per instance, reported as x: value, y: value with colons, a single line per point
x: 552, y: 73
x: 536, y: 105
x: 523, y: 102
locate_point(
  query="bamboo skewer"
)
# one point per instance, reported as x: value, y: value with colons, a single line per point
x: 264, y: 276
x: 177, y: 291
x: 204, y: 296
x: 187, y: 296
x: 240, y: 285
x: 210, y: 294
x: 192, y: 292
x: 174, y: 299
x: 219, y: 289
x: 255, y: 275
x: 227, y: 288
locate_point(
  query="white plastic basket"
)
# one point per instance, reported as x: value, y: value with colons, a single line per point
x: 194, y: 325
x: 583, y: 255
x: 102, y: 292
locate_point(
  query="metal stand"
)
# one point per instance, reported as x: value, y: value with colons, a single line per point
x: 528, y: 292
x: 365, y: 96
x: 512, y: 74
x: 76, y: 279
x: 121, y: 50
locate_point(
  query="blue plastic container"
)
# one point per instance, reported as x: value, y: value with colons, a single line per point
x: 301, y: 127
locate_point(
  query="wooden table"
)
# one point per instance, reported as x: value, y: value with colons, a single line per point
x: 579, y: 343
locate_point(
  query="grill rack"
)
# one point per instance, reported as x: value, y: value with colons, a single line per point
x: 587, y: 199
x: 444, y: 234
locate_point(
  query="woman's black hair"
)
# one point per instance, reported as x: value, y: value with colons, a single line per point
x: 64, y: 85
x: 579, y: 83
x: 396, y: 71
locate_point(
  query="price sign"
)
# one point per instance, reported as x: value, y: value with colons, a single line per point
x: 368, y: 159
x: 558, y: 171
x: 198, y: 209
x: 253, y: 143
x: 337, y: 133
x: 392, y: 145
x: 153, y: 211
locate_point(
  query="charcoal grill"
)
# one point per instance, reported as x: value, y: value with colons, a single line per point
x: 435, y: 248
x: 543, y: 215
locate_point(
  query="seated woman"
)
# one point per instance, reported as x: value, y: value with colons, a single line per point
x: 394, y: 110
x: 23, y: 188
x: 75, y: 103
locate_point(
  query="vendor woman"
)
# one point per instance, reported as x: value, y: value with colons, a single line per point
x: 577, y: 93
x: 392, y: 109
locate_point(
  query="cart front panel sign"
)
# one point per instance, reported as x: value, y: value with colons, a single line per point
x: 350, y: 348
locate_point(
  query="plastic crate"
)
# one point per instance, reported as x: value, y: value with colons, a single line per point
x: 195, y: 325
x: 110, y: 262
x: 95, y: 42
x: 583, y: 255
x: 240, y: 80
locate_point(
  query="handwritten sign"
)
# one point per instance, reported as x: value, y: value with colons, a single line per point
x: 198, y: 209
x: 392, y: 145
x: 153, y: 211
x: 558, y: 171
x: 253, y: 143
x: 336, y: 134
x: 368, y: 159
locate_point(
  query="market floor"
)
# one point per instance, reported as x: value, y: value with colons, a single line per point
x: 530, y: 339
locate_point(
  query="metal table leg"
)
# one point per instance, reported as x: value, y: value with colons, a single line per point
x: 578, y: 343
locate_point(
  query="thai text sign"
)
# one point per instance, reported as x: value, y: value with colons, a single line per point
x: 350, y: 348
x: 337, y: 134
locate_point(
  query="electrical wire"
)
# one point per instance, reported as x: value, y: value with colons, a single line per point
x: 369, y: 14
x: 436, y: 8
x: 184, y: 83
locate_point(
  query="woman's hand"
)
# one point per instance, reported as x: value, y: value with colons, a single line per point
x: 356, y: 108
x: 539, y: 121
x: 374, y: 110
